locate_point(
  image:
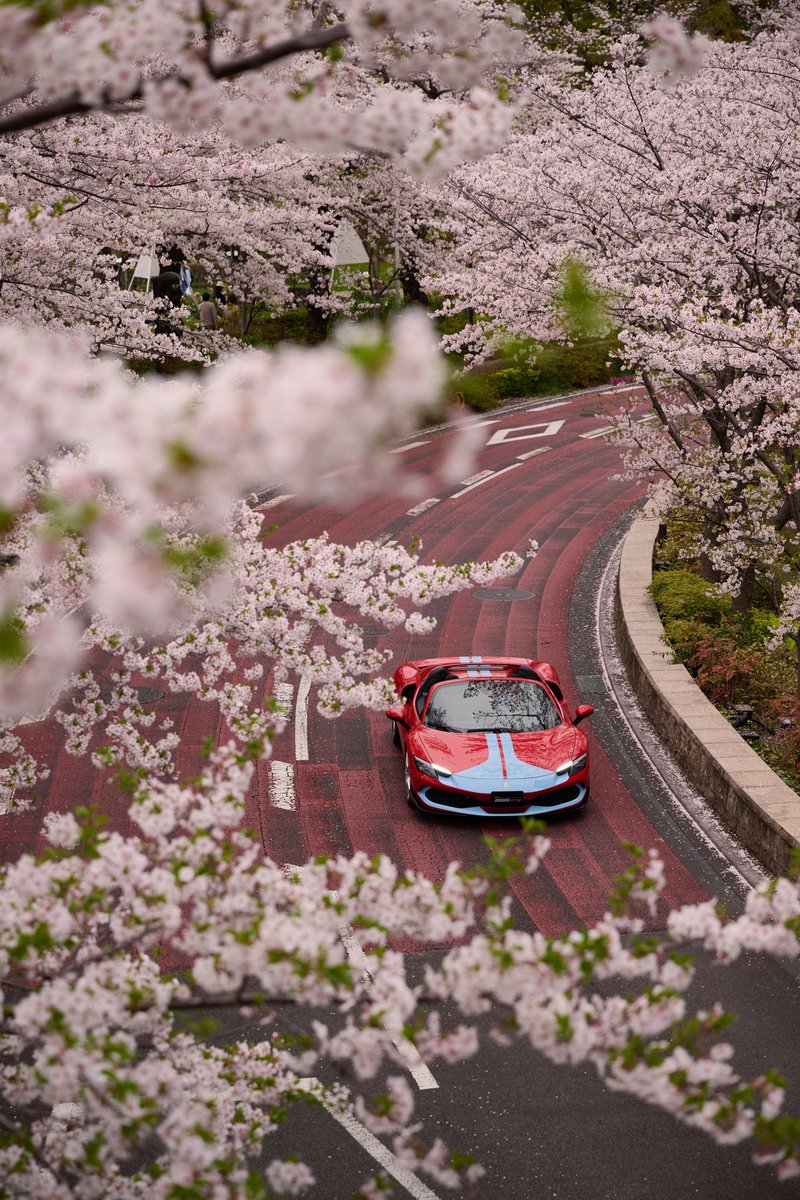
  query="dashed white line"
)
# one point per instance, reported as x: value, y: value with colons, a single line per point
x: 301, y: 720
x: 493, y: 475
x: 417, y: 1067
x: 410, y: 446
x: 414, y: 1062
x: 422, y: 506
x: 283, y: 693
x: 596, y: 433
x: 375, y: 1148
x: 475, y: 478
x: 544, y: 407
x: 533, y: 453
x: 633, y: 387
x: 281, y: 785
x: 278, y: 500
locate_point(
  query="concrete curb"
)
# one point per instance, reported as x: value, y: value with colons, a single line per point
x: 754, y: 802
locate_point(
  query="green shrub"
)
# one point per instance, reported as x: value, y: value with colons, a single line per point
x: 684, y: 636
x: 682, y: 595
x: 478, y: 389
x: 522, y: 380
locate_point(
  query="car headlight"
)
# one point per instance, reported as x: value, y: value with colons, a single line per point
x: 431, y: 769
x: 572, y: 766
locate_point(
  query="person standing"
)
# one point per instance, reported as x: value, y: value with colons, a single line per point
x: 208, y: 312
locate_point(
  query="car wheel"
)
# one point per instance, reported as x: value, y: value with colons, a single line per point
x: 395, y: 734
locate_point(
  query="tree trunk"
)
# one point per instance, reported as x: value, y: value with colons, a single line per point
x: 743, y: 599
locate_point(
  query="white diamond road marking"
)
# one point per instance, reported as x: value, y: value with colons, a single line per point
x: 422, y: 506
x: 522, y: 433
x: 375, y: 1148
x: 281, y: 785
x: 533, y: 453
x: 479, y: 482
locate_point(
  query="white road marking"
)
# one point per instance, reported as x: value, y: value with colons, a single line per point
x: 596, y: 433
x: 373, y: 1146
x: 533, y: 453
x: 301, y: 720
x: 67, y: 1111
x: 494, y: 475
x: 525, y: 432
x: 281, y: 785
x: 417, y: 1067
x: 283, y: 693
x: 476, y: 478
x: 544, y: 407
x: 278, y: 500
x: 410, y: 446
x: 632, y: 387
x: 422, y: 506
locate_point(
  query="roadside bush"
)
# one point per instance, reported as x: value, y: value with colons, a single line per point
x: 683, y: 595
x: 522, y: 380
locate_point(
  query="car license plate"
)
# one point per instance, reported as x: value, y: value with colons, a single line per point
x: 506, y: 797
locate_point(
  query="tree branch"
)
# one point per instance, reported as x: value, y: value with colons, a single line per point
x: 72, y: 105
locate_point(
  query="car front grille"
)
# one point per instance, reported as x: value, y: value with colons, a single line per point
x: 501, y: 800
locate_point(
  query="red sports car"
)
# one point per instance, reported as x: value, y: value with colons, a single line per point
x: 489, y: 737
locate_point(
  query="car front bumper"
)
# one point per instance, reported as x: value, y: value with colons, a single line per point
x: 573, y: 794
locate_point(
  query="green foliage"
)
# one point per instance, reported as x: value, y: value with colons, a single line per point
x: 519, y: 380
x: 682, y: 595
x: 13, y: 643
x: 584, y: 308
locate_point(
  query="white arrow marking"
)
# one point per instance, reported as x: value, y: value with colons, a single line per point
x: 524, y: 432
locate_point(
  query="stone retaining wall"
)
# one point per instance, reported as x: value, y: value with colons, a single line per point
x: 754, y: 802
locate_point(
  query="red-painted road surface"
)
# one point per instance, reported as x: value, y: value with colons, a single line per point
x: 349, y: 794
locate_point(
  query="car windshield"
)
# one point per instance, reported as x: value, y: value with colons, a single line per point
x: 491, y: 706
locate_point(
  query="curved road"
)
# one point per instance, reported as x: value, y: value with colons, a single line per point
x: 546, y: 472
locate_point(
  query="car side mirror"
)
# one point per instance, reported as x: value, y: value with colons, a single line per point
x: 583, y: 710
x: 394, y: 714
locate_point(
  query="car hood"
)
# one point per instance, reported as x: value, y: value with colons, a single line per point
x: 511, y: 757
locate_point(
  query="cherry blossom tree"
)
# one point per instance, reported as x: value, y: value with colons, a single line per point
x: 125, y: 529
x: 673, y: 181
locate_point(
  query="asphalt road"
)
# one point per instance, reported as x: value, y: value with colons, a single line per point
x: 540, y: 1130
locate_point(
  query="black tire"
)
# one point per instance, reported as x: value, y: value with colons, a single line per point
x: 395, y: 734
